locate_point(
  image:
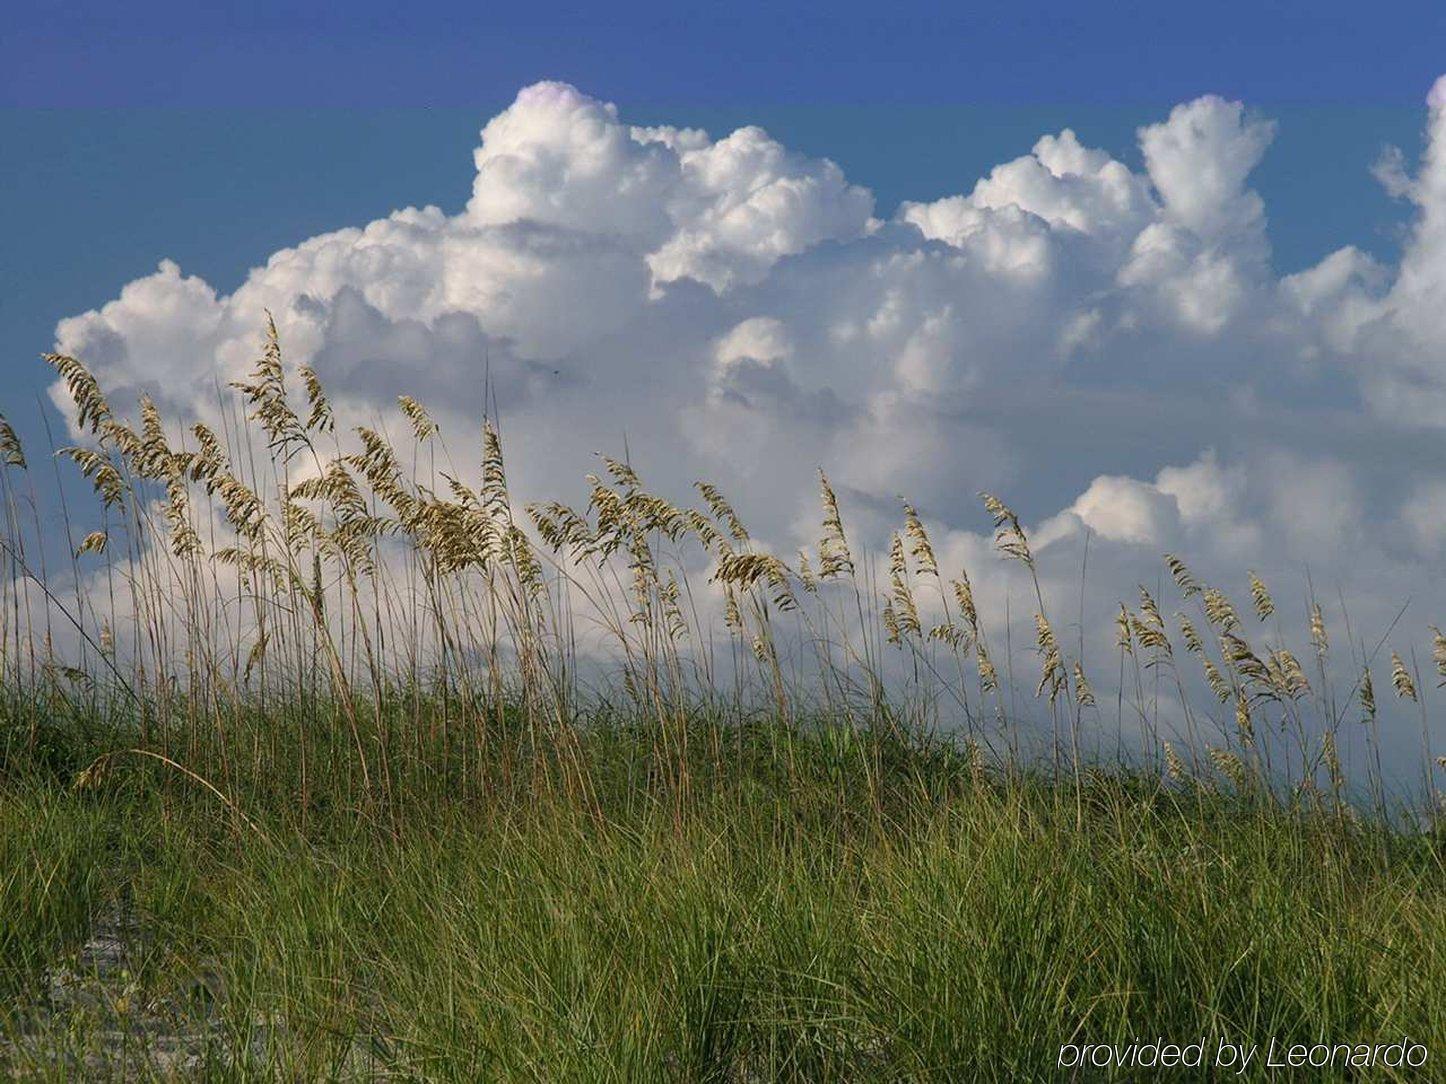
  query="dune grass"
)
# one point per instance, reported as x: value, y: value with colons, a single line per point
x: 830, y: 906
x: 319, y: 760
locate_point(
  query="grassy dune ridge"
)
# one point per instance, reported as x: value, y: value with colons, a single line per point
x: 820, y: 906
x: 303, y: 775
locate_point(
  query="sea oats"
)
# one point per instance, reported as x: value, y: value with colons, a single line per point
x: 920, y: 547
x: 1287, y: 674
x: 1083, y: 691
x: 1228, y: 765
x: 1331, y: 756
x: 1009, y: 537
x: 423, y: 427
x: 95, y: 542
x: 834, y: 557
x: 1244, y: 722
x: 1367, y: 696
x: 732, y: 615
x: 103, y: 475
x: 905, y: 610
x: 1264, y: 604
x: 723, y: 511
x: 1174, y: 766
x: 1438, y: 653
x: 1191, y: 635
x: 891, y: 624
x: 1219, y: 610
x: 1124, y: 637
x: 91, y: 408
x: 805, y: 572
x: 1051, y: 667
x: 1401, y: 679
x: 319, y: 416
x: 988, y: 675
x: 1186, y: 582
x: 964, y: 595
x: 1218, y: 685
x: 1318, y: 638
x: 11, y: 453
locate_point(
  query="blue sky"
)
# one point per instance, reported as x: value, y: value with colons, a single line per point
x: 367, y: 53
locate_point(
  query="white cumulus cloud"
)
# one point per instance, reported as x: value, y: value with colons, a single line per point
x: 1110, y: 348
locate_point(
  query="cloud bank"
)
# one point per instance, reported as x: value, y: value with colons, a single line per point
x: 1111, y: 349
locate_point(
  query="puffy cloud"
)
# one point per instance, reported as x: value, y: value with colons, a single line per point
x: 1199, y: 160
x: 1072, y: 332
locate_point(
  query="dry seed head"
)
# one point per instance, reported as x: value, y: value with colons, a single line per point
x: 805, y: 572
x: 891, y: 624
x: 1332, y: 759
x: 1084, y: 693
x: 834, y: 558
x: 732, y: 616
x: 1193, y: 643
x: 673, y: 619
x: 974, y: 757
x: 1174, y: 766
x: 1009, y: 537
x: 1150, y: 633
x: 1368, y: 696
x: 622, y: 473
x: 153, y: 446
x: 1124, y: 638
x: 1244, y: 725
x: 1183, y: 579
x: 11, y: 453
x: 185, y: 542
x: 255, y: 656
x: 91, y: 408
x: 948, y: 633
x: 919, y: 544
x: 245, y: 511
x: 1438, y: 653
x: 1228, y: 765
x: 95, y: 542
x: 1218, y: 685
x: 1244, y: 660
x: 964, y: 595
x: 423, y: 426
x: 1318, y: 638
x: 209, y: 460
x: 1287, y: 675
x: 319, y: 416
x: 102, y: 473
x: 905, y: 611
x: 1219, y: 611
x: 1401, y: 679
x: 1264, y: 604
x: 1149, y: 610
x: 524, y: 562
x: 94, y: 775
x: 265, y: 393
x: 988, y: 675
x: 1051, y: 669
x: 722, y: 511
x: 299, y: 524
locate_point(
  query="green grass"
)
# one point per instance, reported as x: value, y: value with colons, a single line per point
x: 810, y: 904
